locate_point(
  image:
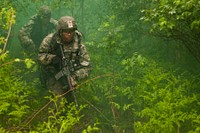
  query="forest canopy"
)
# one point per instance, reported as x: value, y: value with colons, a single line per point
x: 179, y: 20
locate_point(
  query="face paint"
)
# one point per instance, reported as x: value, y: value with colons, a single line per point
x: 67, y: 36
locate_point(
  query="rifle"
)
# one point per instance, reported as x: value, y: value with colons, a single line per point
x: 66, y: 71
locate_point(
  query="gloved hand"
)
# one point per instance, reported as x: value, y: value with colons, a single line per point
x: 81, y: 73
x: 56, y: 60
x: 74, y: 83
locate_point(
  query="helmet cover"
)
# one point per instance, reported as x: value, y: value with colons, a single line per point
x: 66, y: 22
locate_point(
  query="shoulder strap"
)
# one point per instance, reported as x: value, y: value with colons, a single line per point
x: 77, y: 43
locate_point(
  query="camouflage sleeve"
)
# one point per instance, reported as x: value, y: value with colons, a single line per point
x: 84, y: 60
x: 46, y: 55
x: 84, y: 56
x: 54, y: 23
x: 25, y: 36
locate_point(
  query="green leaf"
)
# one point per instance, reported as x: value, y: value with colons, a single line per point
x: 29, y: 63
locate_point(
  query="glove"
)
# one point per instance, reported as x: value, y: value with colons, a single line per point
x: 74, y: 83
x: 81, y: 73
x: 56, y: 60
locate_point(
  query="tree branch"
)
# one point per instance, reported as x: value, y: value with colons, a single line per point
x: 6, y: 41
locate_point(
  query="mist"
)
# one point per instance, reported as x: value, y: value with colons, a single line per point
x: 145, y: 69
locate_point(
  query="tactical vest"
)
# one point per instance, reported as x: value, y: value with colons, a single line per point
x: 71, y: 52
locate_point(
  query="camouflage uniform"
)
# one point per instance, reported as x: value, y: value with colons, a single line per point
x: 51, y: 47
x: 32, y: 34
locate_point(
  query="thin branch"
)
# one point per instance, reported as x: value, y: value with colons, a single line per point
x: 6, y: 40
x: 34, y: 115
x: 11, y: 62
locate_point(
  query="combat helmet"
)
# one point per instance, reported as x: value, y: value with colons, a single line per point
x: 66, y: 23
x: 44, y: 12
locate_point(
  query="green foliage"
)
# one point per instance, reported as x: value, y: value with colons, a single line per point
x: 29, y: 63
x: 135, y: 94
x: 14, y: 95
x: 178, y: 20
x: 167, y: 15
x: 139, y: 84
x: 91, y: 129
x: 7, y: 15
x: 162, y: 99
x: 62, y: 118
x: 145, y: 95
x: 113, y: 32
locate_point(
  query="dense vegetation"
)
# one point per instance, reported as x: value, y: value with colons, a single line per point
x: 145, y: 76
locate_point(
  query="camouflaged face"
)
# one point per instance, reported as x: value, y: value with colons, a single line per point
x: 80, y: 57
x: 44, y: 12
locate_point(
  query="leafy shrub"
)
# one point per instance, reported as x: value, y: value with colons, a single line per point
x: 163, y: 101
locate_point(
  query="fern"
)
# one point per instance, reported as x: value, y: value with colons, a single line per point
x: 62, y: 118
x: 162, y: 97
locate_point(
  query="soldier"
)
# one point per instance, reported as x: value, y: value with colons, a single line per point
x: 38, y: 27
x: 62, y: 48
